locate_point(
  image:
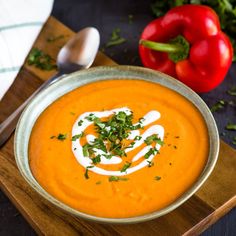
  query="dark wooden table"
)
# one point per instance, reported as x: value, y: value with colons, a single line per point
x: 107, y: 15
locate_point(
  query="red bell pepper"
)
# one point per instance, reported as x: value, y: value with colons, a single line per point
x: 188, y: 44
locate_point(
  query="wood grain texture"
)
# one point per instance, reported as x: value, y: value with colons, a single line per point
x: 215, y: 198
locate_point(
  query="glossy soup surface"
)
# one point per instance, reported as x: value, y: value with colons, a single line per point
x: 173, y: 170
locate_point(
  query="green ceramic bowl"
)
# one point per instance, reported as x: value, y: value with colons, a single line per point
x: 77, y: 79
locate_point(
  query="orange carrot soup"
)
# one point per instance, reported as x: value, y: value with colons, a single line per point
x: 119, y: 148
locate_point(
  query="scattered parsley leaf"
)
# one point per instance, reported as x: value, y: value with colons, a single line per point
x: 117, y: 178
x: 115, y: 38
x: 53, y: 136
x: 86, y: 172
x: 157, y: 178
x: 96, y: 159
x: 137, y: 138
x: 41, y: 60
x: 234, y: 140
x: 85, y: 150
x: 150, y: 163
x: 98, y: 182
x: 218, y: 106
x: 125, y: 167
x: 232, y: 91
x: 77, y: 136
x: 230, y: 126
x: 153, y: 138
x: 80, y: 122
x: 107, y: 156
x: 61, y: 136
x: 152, y: 151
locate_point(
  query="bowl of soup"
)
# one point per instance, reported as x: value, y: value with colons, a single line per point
x: 119, y: 144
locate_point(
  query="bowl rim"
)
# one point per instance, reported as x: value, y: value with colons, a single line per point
x: 78, y: 79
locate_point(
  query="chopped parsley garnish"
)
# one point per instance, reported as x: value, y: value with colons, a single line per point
x: 61, y: 136
x: 125, y: 167
x: 115, y: 38
x: 107, y: 156
x: 90, y: 117
x: 218, y: 106
x: 86, y: 171
x: 232, y: 91
x: 77, y: 136
x: 137, y: 138
x: 41, y: 60
x: 152, y: 151
x: 111, y: 135
x: 96, y: 159
x: 98, y: 182
x: 157, y: 178
x: 150, y: 163
x: 231, y: 126
x: 80, y: 122
x: 53, y: 136
x: 153, y: 138
x: 234, y: 140
x: 117, y: 178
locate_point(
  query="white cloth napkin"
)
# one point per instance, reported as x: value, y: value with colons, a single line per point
x: 20, y: 24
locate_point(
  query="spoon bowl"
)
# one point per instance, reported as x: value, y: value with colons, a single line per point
x: 80, y: 51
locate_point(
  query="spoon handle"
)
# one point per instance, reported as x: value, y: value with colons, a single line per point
x: 8, y: 126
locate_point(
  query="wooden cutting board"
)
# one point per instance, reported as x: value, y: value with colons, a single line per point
x: 215, y: 198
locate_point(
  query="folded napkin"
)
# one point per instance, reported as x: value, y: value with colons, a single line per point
x: 20, y: 24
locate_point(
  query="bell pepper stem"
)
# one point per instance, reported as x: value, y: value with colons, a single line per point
x: 177, y: 48
x: 161, y: 47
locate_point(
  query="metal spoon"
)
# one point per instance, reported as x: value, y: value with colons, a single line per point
x: 77, y: 54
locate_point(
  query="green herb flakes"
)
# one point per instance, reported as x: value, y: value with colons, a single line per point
x: 41, y: 60
x: 218, y: 106
x: 153, y: 138
x: 61, y: 136
x: 117, y: 178
x: 157, y: 178
x: 138, y: 138
x: 230, y: 126
x: 234, y: 140
x: 86, y: 172
x: 96, y: 159
x: 98, y: 182
x: 150, y: 163
x: 115, y: 38
x: 80, y: 122
x: 77, y: 136
x: 125, y: 167
x: 152, y: 151
x: 232, y: 91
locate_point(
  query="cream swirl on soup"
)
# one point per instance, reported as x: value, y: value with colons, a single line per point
x: 139, y: 136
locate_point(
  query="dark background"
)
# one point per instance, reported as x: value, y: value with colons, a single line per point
x: 105, y: 16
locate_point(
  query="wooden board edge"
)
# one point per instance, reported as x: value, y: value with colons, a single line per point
x: 212, y: 218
